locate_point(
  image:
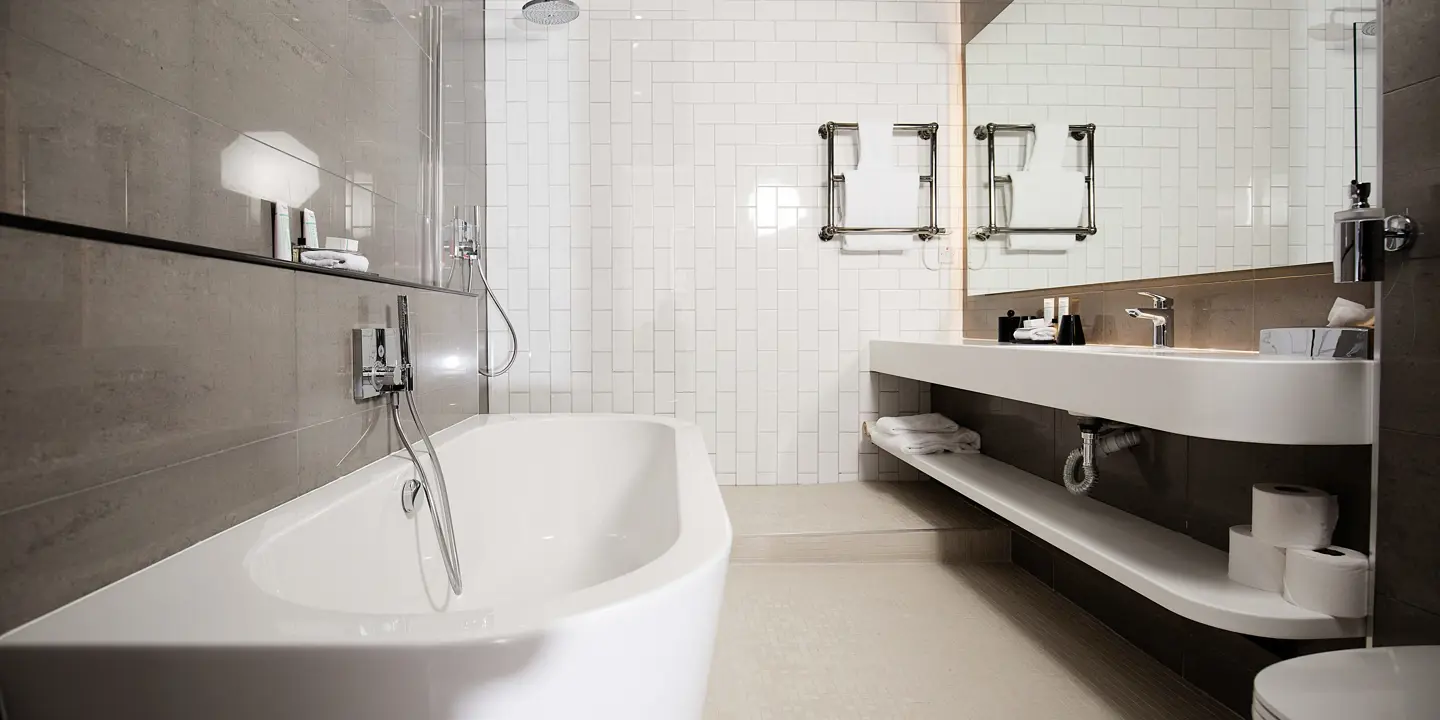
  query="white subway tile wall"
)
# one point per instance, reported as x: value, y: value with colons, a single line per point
x: 1225, y: 137
x: 655, y: 186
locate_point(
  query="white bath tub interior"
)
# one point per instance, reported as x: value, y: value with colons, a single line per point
x: 593, y: 549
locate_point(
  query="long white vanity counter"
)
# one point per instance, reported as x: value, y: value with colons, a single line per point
x: 1224, y: 395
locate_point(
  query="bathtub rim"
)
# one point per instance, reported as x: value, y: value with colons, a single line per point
x: 248, y: 616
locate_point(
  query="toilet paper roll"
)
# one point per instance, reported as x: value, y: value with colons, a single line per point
x: 1330, y: 580
x: 1254, y: 563
x: 1292, y: 516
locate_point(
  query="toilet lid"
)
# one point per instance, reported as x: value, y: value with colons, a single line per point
x: 1259, y: 712
x: 1392, y: 683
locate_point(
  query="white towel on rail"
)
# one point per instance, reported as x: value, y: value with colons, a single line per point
x: 1045, y: 198
x: 1043, y: 195
x: 879, y: 194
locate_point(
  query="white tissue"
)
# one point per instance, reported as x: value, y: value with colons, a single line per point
x: 1254, y: 563
x: 1330, y: 580
x: 1292, y: 516
x: 1347, y: 313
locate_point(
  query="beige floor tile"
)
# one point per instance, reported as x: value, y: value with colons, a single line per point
x: 923, y: 641
x: 855, y: 507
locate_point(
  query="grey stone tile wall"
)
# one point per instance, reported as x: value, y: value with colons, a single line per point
x: 153, y: 399
x: 1407, y: 556
x: 176, y: 118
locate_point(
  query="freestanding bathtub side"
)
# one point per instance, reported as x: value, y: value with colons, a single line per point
x: 594, y: 547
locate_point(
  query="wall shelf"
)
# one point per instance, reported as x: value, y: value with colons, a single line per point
x: 1222, y: 395
x: 1175, y: 571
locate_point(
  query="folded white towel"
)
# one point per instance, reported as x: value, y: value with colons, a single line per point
x: 927, y: 423
x: 333, y: 259
x: 1042, y: 334
x: 963, y: 441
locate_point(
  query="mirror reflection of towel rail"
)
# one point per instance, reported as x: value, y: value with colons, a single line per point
x: 1079, y: 132
x: 926, y: 131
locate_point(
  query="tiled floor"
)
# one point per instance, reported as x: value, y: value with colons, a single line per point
x: 861, y: 522
x: 917, y: 641
x: 881, y: 639
x: 855, y: 507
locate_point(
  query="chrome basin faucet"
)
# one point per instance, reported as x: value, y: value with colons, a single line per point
x: 1161, y: 314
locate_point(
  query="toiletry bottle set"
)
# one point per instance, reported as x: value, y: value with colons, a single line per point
x: 282, y: 240
x: 1058, y: 325
x: 286, y: 246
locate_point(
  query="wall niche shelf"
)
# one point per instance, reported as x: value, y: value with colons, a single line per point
x: 1175, y: 571
x: 1216, y: 394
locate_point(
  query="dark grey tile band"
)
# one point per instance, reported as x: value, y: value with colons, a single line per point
x: 55, y: 227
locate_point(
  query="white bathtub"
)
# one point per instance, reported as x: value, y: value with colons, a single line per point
x: 593, y: 550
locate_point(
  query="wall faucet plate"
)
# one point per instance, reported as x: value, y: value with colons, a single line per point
x: 374, y: 352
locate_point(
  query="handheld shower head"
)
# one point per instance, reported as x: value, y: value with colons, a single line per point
x: 550, y: 12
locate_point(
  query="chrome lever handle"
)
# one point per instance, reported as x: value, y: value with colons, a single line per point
x: 1160, y: 302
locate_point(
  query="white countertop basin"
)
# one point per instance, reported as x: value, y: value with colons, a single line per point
x: 1219, y: 394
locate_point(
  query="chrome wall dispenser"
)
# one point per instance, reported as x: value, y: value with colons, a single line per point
x: 1362, y: 232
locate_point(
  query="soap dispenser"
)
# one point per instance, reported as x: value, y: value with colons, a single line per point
x: 1358, y: 235
x: 1362, y: 233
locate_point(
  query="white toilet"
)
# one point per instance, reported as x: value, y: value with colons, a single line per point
x: 1391, y: 683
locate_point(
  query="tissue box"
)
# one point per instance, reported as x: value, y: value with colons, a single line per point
x: 1317, y: 342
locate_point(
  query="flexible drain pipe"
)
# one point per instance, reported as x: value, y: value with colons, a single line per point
x: 1081, y: 460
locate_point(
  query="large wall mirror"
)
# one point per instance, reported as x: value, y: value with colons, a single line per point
x: 1226, y: 136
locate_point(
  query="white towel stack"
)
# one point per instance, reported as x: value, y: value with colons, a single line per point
x: 335, y: 259
x: 929, y: 433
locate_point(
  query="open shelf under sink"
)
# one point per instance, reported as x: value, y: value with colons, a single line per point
x: 1175, y: 571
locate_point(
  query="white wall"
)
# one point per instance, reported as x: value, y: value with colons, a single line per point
x: 1224, y: 136
x: 655, y: 186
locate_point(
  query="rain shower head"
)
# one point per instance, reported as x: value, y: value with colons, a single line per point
x: 550, y: 12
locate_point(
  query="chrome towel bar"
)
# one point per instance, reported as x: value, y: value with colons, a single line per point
x: 926, y: 131
x: 1079, y: 132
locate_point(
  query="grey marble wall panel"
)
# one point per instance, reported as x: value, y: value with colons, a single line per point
x: 124, y: 360
x: 174, y: 118
x: 53, y: 552
x: 1215, y: 310
x: 155, y: 398
x: 1407, y: 562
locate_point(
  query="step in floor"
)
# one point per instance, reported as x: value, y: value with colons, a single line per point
x: 861, y: 522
